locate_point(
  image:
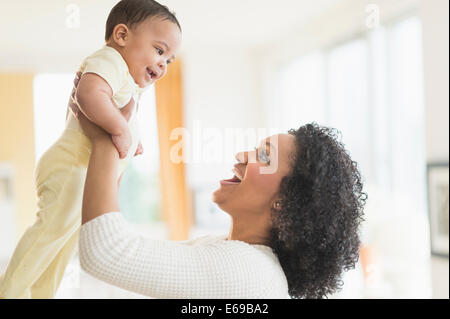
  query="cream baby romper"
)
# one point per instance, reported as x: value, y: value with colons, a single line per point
x: 41, y: 256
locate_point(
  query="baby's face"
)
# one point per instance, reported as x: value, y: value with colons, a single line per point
x: 151, y: 46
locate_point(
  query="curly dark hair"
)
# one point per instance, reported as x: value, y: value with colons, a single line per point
x: 315, y: 233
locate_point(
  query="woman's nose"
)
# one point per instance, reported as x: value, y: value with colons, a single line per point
x: 246, y: 157
x: 242, y: 157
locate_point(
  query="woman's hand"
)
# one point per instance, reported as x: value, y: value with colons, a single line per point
x: 91, y: 130
x: 73, y: 103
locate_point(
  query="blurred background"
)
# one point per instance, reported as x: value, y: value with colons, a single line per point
x: 375, y: 70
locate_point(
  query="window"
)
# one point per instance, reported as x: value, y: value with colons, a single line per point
x: 348, y: 104
x: 51, y: 95
x: 301, y: 97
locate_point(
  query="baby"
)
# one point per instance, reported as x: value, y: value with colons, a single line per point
x: 142, y: 38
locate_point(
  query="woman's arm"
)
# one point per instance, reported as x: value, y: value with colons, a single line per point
x: 110, y: 250
x: 101, y: 190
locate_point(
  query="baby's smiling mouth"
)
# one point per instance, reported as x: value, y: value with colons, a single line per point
x: 151, y: 73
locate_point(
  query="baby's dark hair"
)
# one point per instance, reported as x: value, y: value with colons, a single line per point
x: 132, y: 12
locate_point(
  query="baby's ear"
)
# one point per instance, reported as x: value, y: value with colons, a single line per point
x: 121, y: 34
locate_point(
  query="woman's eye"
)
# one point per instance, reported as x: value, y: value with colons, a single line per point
x: 160, y: 52
x: 262, y: 156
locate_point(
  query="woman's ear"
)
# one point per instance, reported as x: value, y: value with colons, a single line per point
x: 121, y: 34
x: 276, y: 205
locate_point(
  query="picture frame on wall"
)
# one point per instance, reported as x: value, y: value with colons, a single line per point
x: 438, y: 207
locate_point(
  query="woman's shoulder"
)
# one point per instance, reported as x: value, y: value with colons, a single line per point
x: 263, y: 268
x: 250, y: 254
x: 204, y: 240
x: 233, y: 246
x: 256, y: 267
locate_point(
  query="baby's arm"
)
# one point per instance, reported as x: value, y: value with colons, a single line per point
x: 94, y: 96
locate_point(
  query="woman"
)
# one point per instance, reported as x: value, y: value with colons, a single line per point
x: 293, y: 232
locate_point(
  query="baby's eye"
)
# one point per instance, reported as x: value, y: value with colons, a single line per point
x: 262, y: 156
x: 160, y: 51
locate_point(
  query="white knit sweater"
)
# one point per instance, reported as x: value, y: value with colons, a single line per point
x: 206, y: 267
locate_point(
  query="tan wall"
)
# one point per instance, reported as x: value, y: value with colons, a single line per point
x: 176, y: 197
x: 17, y: 142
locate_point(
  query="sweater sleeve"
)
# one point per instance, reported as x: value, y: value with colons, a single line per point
x: 112, y: 252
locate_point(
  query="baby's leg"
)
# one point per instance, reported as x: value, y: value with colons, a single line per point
x: 60, y: 190
x: 47, y: 285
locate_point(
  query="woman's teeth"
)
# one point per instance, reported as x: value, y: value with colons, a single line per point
x: 235, y: 180
x: 237, y: 174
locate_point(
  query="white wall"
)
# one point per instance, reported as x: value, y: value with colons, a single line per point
x: 220, y: 95
x: 220, y: 92
x: 435, y: 20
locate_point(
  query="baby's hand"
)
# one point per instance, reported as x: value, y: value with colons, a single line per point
x: 139, y: 150
x: 122, y: 143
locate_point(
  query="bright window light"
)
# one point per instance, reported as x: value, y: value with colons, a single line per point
x: 51, y: 95
x: 302, y: 92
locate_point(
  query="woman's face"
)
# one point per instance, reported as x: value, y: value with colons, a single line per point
x: 254, y: 188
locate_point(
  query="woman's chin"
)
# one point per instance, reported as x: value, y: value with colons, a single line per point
x: 219, y: 197
x: 224, y: 195
x: 216, y: 196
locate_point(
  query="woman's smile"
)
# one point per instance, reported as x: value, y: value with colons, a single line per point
x: 232, y: 181
x: 250, y: 188
x: 236, y: 179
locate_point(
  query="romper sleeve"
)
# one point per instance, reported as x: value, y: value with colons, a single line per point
x: 108, y: 64
x: 110, y: 251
